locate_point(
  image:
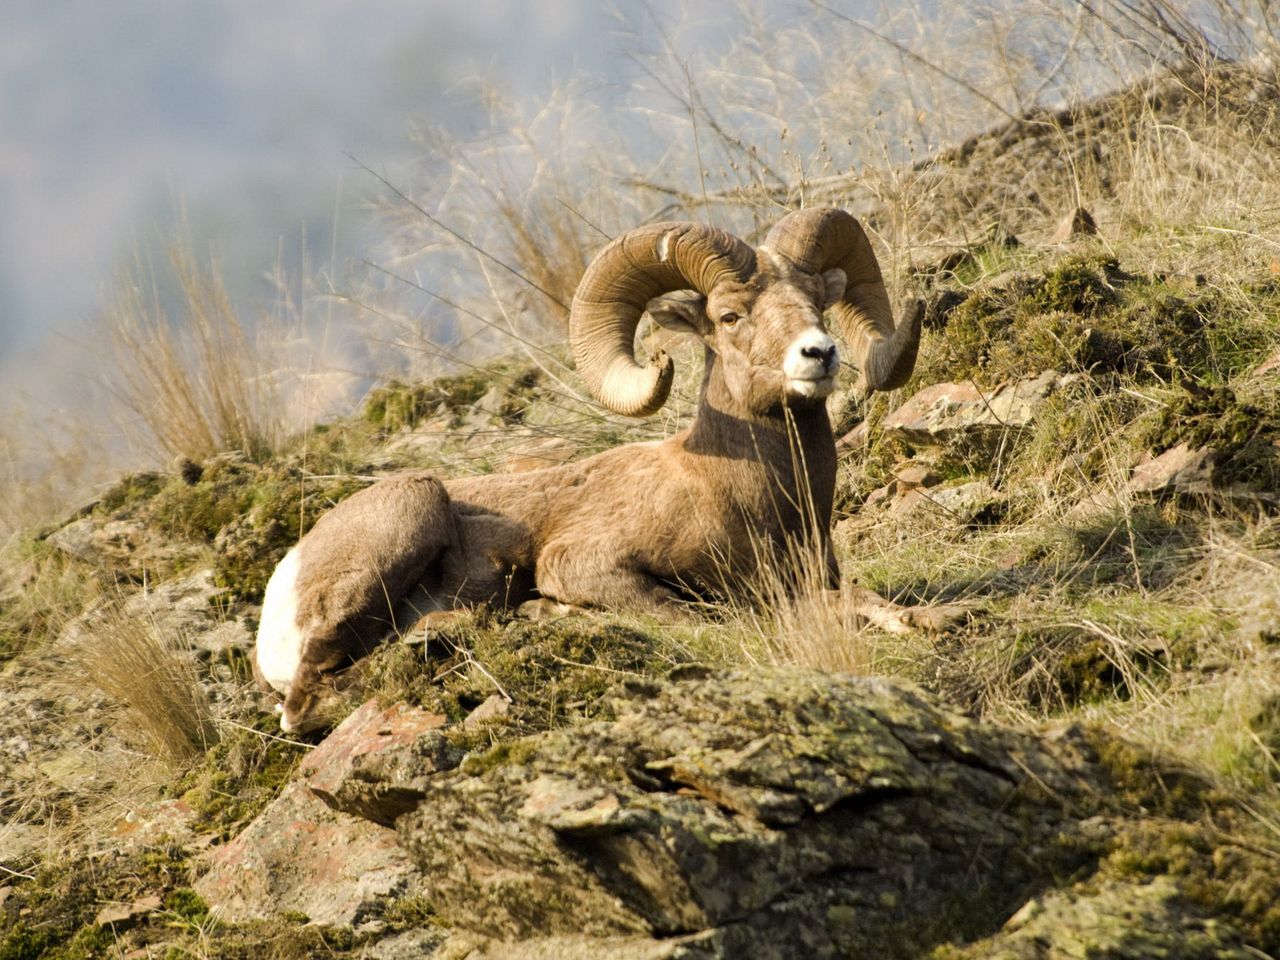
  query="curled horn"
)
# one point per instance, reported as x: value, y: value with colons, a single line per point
x: 819, y: 239
x: 636, y: 267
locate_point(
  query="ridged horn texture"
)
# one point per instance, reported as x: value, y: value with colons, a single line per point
x: 821, y: 238
x: 636, y: 267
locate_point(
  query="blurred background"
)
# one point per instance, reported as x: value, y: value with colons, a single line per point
x: 119, y: 120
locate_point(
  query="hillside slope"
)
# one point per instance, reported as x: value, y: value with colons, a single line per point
x: 1087, y: 461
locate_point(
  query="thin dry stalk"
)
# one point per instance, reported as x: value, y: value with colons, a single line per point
x: 157, y: 683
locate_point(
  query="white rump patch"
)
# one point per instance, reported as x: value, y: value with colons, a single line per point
x: 279, y: 646
x: 814, y: 375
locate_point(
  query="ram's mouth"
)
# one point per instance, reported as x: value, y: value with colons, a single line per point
x: 811, y: 388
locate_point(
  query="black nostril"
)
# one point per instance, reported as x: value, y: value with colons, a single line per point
x: 826, y: 354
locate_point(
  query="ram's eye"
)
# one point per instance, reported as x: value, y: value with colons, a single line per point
x: 729, y: 319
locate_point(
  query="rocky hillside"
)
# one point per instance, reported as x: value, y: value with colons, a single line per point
x: 1086, y: 463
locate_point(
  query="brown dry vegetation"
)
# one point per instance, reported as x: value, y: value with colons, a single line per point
x: 196, y: 382
x: 1156, y: 614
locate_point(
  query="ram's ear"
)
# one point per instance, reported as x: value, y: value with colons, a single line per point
x: 684, y: 311
x: 833, y: 284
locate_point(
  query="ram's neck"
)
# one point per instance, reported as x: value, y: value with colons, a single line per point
x: 791, y: 447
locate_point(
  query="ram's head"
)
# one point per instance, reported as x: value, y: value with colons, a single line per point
x: 760, y: 310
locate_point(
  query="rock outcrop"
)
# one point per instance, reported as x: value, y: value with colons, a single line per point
x: 299, y: 857
x: 961, y: 417
x: 784, y: 814
x: 781, y: 813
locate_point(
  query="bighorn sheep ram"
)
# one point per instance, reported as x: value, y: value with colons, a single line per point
x: 640, y: 526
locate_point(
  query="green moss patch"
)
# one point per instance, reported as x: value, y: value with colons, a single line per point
x: 237, y: 778
x: 555, y: 672
x: 1088, y: 313
x: 397, y: 406
x: 51, y: 917
x: 1243, y: 437
x: 131, y: 490
x: 1225, y: 867
x: 249, y: 514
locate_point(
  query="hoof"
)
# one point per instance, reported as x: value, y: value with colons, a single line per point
x: 934, y: 618
x: 544, y: 609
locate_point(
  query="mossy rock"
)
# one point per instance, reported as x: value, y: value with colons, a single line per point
x: 1243, y: 437
x: 397, y: 406
x: 1083, y: 285
x: 734, y: 813
x: 555, y: 672
x: 249, y: 513
x: 129, y: 491
x: 1221, y: 874
x: 1087, y: 313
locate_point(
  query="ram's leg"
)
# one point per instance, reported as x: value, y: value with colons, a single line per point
x: 333, y: 596
x: 895, y: 618
x: 492, y: 563
x: 582, y: 576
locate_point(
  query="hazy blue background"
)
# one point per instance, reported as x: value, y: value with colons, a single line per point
x: 115, y: 115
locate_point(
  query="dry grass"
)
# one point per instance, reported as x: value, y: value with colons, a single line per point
x: 45, y: 468
x: 196, y: 382
x: 786, y: 614
x: 157, y: 683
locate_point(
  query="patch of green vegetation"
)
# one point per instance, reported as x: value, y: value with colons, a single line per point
x: 21, y: 942
x: 278, y: 939
x: 555, y: 672
x: 412, y: 912
x: 1082, y: 434
x: 1088, y: 673
x: 249, y: 513
x: 187, y: 904
x: 1219, y: 867
x: 238, y: 777
x: 1056, y: 667
x: 128, y: 491
x: 1244, y: 438
x: 56, y: 908
x: 1143, y: 780
x: 504, y: 754
x: 1134, y: 644
x: 1087, y: 313
x: 88, y: 943
x: 397, y: 405
x: 1082, y: 285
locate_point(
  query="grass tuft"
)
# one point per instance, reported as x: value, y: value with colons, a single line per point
x: 156, y: 682
x: 191, y: 374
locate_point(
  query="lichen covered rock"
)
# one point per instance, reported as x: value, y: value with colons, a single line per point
x: 377, y: 762
x: 787, y: 813
x: 960, y: 418
x: 778, y: 814
x: 299, y: 857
